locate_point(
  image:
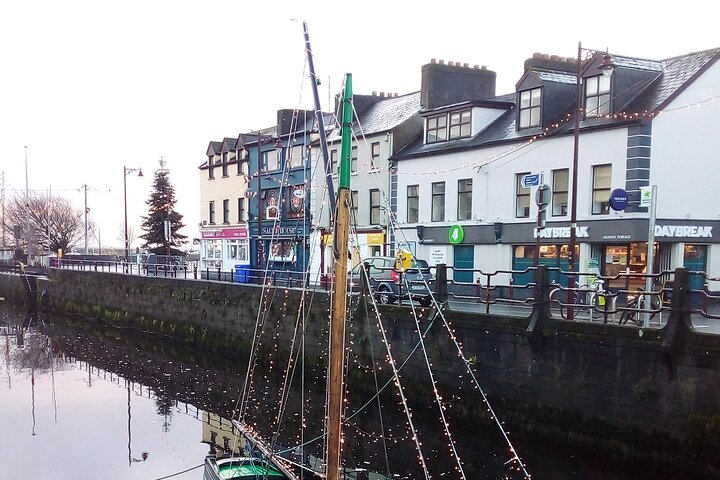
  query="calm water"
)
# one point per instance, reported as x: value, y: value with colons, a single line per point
x: 95, y: 402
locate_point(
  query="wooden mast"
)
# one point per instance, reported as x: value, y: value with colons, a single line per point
x: 337, y: 322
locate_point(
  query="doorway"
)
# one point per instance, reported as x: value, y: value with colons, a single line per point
x: 463, y: 257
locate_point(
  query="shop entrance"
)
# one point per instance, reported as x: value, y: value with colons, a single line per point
x: 626, y: 258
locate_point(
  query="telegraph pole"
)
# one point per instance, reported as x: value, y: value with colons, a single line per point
x: 2, y: 201
x: 86, y: 223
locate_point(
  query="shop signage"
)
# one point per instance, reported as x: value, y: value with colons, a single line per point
x: 562, y: 232
x: 282, y: 231
x: 618, y: 199
x: 224, y: 233
x: 438, y: 255
x: 684, y: 231
x: 645, y: 196
x: 456, y: 234
x: 617, y: 236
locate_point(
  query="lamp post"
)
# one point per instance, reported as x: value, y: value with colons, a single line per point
x: 27, y: 207
x: 127, y: 170
x: 607, y: 68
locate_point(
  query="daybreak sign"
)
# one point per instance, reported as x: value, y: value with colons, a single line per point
x: 561, y: 232
x: 684, y: 231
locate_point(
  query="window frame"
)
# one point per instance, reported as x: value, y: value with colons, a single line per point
x: 558, y: 193
x: 374, y: 206
x: 224, y: 164
x: 531, y: 108
x: 226, y: 211
x: 464, y: 194
x: 437, y: 202
x: 521, y: 193
x: 334, y: 161
x: 354, y: 201
x: 211, y: 167
x: 413, y: 204
x: 602, y: 97
x: 462, y: 124
x: 294, y: 156
x: 241, y: 209
x: 603, y: 206
x: 374, y: 154
x: 266, y: 161
x: 211, y: 212
x: 434, y: 126
x: 354, y: 159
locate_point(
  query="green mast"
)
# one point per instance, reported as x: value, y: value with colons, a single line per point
x: 339, y: 305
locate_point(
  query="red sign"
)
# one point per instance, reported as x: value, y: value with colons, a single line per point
x: 225, y: 233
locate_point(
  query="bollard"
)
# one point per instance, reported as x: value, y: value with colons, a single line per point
x: 441, y: 288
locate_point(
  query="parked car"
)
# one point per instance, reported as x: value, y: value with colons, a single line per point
x: 389, y: 284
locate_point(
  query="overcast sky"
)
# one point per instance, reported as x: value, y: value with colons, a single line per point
x: 91, y: 86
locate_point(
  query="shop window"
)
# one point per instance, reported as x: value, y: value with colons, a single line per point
x: 238, y: 250
x: 296, y: 201
x: 282, y: 251
x: 602, y: 180
x: 522, y: 197
x: 560, y: 192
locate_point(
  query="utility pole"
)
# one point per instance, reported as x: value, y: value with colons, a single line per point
x: 48, y: 219
x: 86, y: 220
x: 27, y: 208
x: 2, y: 201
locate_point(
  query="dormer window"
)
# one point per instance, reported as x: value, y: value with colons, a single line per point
x: 459, y: 126
x: 597, y: 96
x: 530, y: 101
x: 436, y: 129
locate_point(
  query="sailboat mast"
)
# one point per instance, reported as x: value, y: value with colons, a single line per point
x: 319, y: 118
x: 337, y: 322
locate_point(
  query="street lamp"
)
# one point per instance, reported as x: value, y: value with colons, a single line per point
x: 607, y: 66
x: 127, y: 170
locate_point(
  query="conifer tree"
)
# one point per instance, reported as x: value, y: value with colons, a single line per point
x: 161, y: 207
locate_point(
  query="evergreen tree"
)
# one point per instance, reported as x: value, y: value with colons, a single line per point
x: 161, y: 207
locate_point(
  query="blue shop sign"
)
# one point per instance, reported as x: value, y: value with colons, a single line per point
x: 618, y: 199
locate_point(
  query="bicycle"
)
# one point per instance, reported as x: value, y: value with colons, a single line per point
x: 637, y: 307
x: 589, y: 298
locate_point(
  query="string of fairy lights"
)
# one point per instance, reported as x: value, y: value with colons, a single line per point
x: 297, y: 343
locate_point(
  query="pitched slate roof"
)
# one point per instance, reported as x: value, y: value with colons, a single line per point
x: 388, y: 113
x: 674, y: 75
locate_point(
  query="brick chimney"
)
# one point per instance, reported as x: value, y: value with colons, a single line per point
x: 455, y: 82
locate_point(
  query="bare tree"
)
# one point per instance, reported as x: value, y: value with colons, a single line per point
x: 132, y: 235
x: 66, y: 223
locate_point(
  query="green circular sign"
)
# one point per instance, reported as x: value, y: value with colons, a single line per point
x: 456, y: 234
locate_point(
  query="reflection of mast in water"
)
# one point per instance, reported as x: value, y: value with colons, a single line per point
x: 52, y: 378
x: 7, y: 360
x: 144, y: 455
x: 32, y: 383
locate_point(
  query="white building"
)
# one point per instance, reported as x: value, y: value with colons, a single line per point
x: 649, y: 123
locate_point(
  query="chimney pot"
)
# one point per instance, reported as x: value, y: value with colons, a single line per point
x: 433, y: 60
x: 441, y: 61
x: 465, y: 65
x: 545, y: 56
x: 476, y: 66
x: 374, y: 93
x: 554, y: 57
x: 382, y: 94
x: 483, y: 67
x: 537, y: 55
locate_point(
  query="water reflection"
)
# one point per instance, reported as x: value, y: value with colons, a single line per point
x: 92, y: 399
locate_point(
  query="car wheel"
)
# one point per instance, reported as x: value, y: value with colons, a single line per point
x: 385, y: 297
